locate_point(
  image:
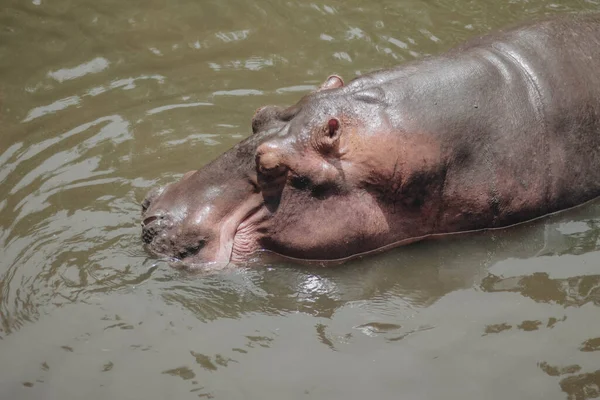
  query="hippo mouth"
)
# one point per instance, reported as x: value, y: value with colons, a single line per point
x: 232, y: 240
x: 238, y: 233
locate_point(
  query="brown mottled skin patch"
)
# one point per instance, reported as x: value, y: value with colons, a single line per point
x: 500, y: 130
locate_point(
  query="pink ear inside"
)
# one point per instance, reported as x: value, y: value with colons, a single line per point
x: 333, y: 125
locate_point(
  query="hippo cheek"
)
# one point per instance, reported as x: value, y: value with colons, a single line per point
x: 210, y: 237
x: 330, y: 228
x: 239, y: 230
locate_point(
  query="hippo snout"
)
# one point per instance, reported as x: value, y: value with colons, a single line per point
x: 169, y: 230
x: 153, y: 221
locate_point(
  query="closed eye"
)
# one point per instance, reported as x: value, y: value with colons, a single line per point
x: 300, y: 182
x: 321, y: 192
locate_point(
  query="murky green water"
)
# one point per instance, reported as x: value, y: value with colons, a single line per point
x: 100, y: 100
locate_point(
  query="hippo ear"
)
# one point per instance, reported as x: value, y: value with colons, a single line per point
x: 269, y: 160
x: 264, y: 116
x: 333, y: 82
x: 331, y: 134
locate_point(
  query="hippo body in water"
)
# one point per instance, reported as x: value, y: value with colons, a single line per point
x: 500, y: 130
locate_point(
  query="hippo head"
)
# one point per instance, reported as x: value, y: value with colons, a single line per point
x: 326, y: 179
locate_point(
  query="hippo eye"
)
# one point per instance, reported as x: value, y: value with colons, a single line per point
x: 332, y: 127
x: 300, y: 182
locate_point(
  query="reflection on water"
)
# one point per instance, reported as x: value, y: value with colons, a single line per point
x: 99, y: 101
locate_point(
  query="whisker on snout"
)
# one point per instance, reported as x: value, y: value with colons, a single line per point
x: 153, y: 225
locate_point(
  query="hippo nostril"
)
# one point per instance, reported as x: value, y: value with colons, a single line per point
x: 149, y: 220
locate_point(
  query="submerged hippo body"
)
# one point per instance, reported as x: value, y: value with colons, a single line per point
x: 501, y: 130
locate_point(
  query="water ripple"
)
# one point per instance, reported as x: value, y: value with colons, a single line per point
x: 174, y: 106
x: 94, y: 66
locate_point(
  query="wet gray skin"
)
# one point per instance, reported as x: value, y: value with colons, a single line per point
x: 103, y: 100
x: 488, y: 135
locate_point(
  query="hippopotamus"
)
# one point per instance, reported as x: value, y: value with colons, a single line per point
x: 497, y: 131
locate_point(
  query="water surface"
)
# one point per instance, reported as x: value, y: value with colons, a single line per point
x: 102, y: 100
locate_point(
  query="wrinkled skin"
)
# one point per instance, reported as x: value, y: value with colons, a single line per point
x: 501, y: 130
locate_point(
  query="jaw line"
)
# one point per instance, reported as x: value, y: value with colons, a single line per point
x: 231, y: 223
